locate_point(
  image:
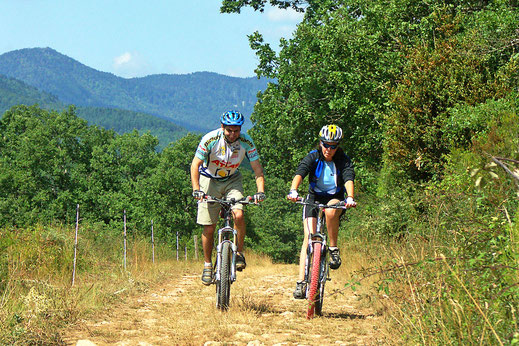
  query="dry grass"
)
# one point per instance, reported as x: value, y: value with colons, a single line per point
x: 164, y: 303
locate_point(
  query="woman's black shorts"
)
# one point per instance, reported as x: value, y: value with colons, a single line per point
x: 309, y: 211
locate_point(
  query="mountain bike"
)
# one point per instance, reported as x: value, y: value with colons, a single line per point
x: 225, y: 265
x: 317, y: 269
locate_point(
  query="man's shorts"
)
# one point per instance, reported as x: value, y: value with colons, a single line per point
x: 208, y: 213
x: 309, y: 211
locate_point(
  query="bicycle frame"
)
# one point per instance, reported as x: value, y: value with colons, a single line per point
x: 226, y: 250
x: 315, y: 291
x: 226, y: 234
x: 317, y: 237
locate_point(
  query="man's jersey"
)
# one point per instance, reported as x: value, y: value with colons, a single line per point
x: 222, y: 159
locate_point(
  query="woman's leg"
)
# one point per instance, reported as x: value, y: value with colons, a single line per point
x: 308, y: 224
x: 333, y: 217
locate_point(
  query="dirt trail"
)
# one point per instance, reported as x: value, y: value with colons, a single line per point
x: 263, y: 312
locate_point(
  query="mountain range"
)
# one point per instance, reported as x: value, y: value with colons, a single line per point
x: 193, y: 101
x: 14, y: 92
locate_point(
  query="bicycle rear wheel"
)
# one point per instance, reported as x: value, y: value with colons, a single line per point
x: 315, y: 284
x: 223, y: 286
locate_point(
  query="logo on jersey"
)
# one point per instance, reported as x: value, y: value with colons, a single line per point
x: 222, y: 164
x: 221, y: 151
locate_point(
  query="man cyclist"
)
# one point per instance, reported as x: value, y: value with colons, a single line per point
x: 214, y: 171
x: 331, y: 173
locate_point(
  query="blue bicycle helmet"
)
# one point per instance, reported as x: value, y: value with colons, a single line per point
x: 232, y: 118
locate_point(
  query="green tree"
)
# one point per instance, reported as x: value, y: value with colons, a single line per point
x: 119, y: 167
x: 174, y: 209
x: 235, y: 6
x: 40, y: 164
x: 460, y: 66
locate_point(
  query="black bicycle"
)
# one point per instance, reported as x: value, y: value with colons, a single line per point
x: 225, y: 265
x: 317, y: 269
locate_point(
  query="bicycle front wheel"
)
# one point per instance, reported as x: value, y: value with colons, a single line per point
x: 315, y: 284
x: 323, y: 275
x: 223, y: 286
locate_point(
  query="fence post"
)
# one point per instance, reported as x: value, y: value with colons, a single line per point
x: 185, y: 252
x: 75, y: 246
x: 124, y: 262
x: 177, y: 245
x: 196, y: 246
x: 152, y: 244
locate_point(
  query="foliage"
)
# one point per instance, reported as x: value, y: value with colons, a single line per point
x: 14, y: 92
x: 51, y: 161
x: 233, y: 6
x: 169, y: 191
x: 275, y: 227
x: 456, y: 68
x: 124, y: 121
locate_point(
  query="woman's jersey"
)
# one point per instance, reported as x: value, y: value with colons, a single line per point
x: 325, y: 178
x: 327, y: 181
x: 222, y: 159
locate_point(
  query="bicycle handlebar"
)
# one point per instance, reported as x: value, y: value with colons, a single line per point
x: 230, y: 202
x: 340, y: 205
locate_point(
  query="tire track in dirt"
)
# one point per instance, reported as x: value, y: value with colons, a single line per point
x: 263, y: 312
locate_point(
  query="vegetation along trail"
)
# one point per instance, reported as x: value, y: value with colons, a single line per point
x: 182, y: 311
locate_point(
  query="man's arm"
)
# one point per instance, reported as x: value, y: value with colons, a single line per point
x: 195, y: 174
x: 258, y: 172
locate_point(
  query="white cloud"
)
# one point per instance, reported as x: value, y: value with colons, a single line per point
x: 279, y: 15
x: 120, y: 60
x: 130, y: 64
x: 239, y: 72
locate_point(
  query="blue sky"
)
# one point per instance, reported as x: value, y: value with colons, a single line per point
x: 137, y: 38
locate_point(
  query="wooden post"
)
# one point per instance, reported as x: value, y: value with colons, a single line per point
x: 75, y: 246
x: 196, y: 246
x: 152, y: 244
x: 124, y: 261
x: 177, y: 245
x: 185, y: 252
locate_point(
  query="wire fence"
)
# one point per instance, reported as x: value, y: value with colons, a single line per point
x: 181, y: 249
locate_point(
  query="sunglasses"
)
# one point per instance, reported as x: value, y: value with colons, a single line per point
x: 330, y: 146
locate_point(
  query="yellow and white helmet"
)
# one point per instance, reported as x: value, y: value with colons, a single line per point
x: 330, y: 133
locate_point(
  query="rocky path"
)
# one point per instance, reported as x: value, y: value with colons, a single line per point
x: 263, y: 312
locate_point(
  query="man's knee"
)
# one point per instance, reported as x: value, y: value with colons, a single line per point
x: 238, y: 215
x: 209, y: 229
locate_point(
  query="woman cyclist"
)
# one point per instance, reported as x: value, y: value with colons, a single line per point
x: 331, y: 173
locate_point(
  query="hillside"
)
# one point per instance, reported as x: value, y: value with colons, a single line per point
x: 192, y: 100
x: 14, y: 92
x: 124, y: 121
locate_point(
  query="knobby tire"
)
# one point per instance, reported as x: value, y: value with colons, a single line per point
x: 223, y: 286
x: 313, y: 293
x: 322, y: 280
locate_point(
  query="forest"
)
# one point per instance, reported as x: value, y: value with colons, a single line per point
x: 184, y: 99
x: 426, y: 93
